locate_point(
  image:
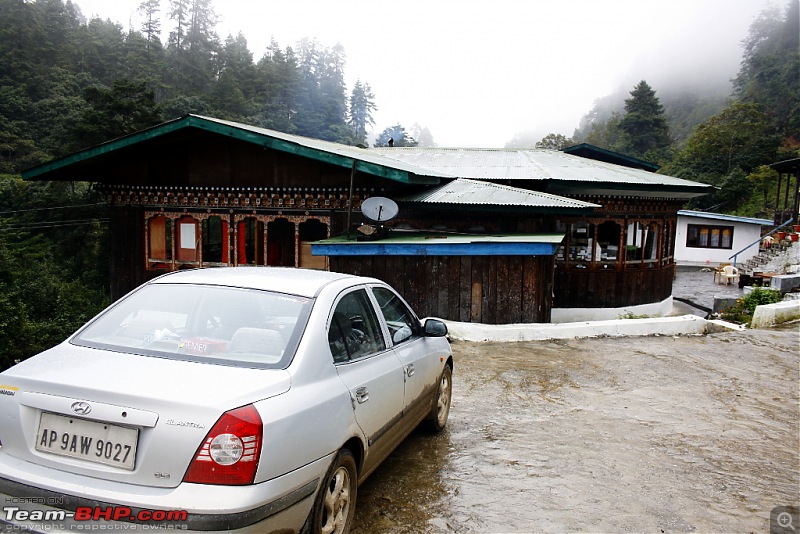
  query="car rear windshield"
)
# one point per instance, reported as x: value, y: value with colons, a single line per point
x: 222, y: 325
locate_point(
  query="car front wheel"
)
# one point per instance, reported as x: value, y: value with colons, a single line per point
x: 335, y: 505
x: 440, y: 411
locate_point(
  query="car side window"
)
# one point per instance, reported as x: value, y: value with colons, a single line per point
x: 403, y: 324
x: 354, y: 331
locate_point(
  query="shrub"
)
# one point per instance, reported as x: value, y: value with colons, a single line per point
x: 742, y: 311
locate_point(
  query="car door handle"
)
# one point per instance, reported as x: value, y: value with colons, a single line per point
x: 410, y: 369
x: 362, y: 395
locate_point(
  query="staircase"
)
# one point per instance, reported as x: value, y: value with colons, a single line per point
x: 782, y: 257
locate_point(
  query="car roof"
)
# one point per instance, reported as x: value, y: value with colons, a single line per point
x: 296, y: 281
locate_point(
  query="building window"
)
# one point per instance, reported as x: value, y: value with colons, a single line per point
x: 651, y: 245
x: 215, y: 240
x: 709, y: 236
x: 178, y: 240
x: 582, y: 243
x: 608, y: 237
x: 634, y: 243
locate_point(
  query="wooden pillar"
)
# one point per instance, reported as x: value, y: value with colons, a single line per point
x: 266, y: 242
x: 784, y: 216
x: 796, y: 196
x: 296, y: 244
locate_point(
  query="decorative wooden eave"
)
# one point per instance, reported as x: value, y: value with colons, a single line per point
x: 232, y: 197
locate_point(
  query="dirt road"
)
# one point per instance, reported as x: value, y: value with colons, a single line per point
x: 657, y: 434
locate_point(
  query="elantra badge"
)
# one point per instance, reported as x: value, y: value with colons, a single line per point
x: 81, y: 408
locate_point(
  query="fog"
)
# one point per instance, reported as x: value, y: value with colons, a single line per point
x: 477, y: 73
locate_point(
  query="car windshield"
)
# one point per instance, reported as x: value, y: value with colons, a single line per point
x: 224, y: 325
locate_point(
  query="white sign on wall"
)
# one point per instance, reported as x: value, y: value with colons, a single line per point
x: 187, y: 235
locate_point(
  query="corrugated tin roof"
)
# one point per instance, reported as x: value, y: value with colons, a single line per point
x: 562, y: 173
x: 724, y: 217
x: 351, y: 152
x: 472, y: 192
x: 526, y: 164
x: 366, y: 161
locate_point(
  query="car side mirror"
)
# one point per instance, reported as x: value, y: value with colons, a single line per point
x: 435, y: 328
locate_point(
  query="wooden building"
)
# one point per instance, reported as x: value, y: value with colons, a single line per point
x: 787, y: 198
x: 493, y: 236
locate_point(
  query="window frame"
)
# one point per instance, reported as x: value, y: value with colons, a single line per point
x: 695, y: 242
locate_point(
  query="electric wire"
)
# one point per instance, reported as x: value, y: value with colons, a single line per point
x: 52, y: 208
x: 50, y: 224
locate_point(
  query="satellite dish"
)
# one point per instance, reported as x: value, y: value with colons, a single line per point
x: 379, y: 209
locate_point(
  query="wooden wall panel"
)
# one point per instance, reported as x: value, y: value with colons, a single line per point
x: 611, y: 288
x: 485, y: 289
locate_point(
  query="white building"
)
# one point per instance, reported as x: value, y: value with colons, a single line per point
x: 703, y: 238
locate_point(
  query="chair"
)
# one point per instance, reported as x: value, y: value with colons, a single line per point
x: 719, y: 271
x: 729, y: 272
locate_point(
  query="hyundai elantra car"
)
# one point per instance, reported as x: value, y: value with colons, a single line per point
x: 250, y: 399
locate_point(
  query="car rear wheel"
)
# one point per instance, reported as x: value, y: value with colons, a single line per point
x: 440, y: 411
x: 335, y: 505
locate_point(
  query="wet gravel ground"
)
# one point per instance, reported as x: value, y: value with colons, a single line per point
x: 655, y: 434
x: 698, y: 286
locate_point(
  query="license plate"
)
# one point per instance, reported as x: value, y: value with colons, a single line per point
x: 102, y: 443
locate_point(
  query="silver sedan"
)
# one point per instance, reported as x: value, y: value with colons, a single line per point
x: 240, y: 399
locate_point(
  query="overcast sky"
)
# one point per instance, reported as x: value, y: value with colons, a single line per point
x: 475, y: 72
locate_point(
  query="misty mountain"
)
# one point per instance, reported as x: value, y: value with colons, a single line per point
x: 686, y: 104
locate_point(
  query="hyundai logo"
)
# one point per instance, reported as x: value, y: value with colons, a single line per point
x: 81, y: 408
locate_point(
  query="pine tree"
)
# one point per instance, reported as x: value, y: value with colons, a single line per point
x: 395, y: 136
x: 643, y: 128
x: 422, y: 135
x: 193, y: 45
x: 332, y: 103
x: 277, y: 88
x: 362, y: 104
x: 151, y: 27
x: 179, y: 13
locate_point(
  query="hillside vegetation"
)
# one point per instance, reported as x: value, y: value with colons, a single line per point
x: 702, y: 134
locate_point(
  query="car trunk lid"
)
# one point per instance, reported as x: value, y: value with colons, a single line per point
x: 70, y: 402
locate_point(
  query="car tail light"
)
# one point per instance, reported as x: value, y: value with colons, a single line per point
x: 229, y: 454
